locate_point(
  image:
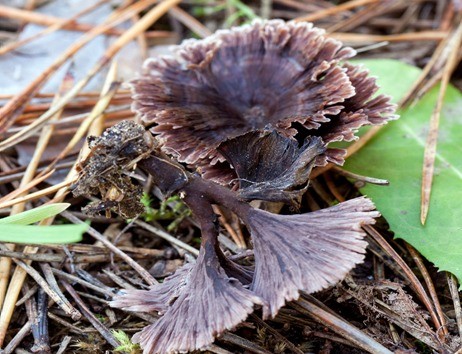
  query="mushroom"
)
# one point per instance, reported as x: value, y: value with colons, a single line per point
x: 257, y: 106
x: 283, y: 76
x: 293, y: 253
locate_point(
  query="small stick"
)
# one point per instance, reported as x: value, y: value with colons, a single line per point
x: 17, y: 192
x: 41, y: 19
x: 90, y: 317
x: 452, y: 282
x: 217, y: 350
x: 357, y: 18
x: 167, y: 237
x: 342, y: 327
x: 333, y: 338
x: 372, y: 180
x: 32, y: 290
x: 265, y: 8
x: 47, y: 271
x: 243, y: 343
x: 333, y: 188
x: 18, y: 338
x: 276, y: 334
x: 14, y: 106
x: 431, y: 289
x: 66, y: 324
x: 64, y: 305
x: 95, y: 234
x: 334, y: 10
x: 238, y: 239
x: 432, y: 137
x: 37, y: 195
x: 37, y: 313
x: 190, y: 22
x: 64, y: 344
x: 85, y: 283
x: 54, y: 27
x: 401, y: 37
x: 414, y: 282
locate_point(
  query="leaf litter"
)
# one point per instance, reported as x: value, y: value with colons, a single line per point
x: 357, y: 25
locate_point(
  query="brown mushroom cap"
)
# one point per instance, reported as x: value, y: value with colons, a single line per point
x: 269, y: 74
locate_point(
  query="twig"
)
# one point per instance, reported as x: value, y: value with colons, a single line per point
x: 66, y: 324
x: 414, y: 282
x: 333, y: 188
x: 24, y: 189
x: 432, y: 137
x: 54, y: 27
x: 36, y: 195
x: 45, y: 136
x: 243, y: 343
x: 90, y: 317
x: 167, y: 237
x: 17, y: 339
x: 95, y: 234
x: 217, y: 350
x: 401, y: 37
x: 276, y: 334
x: 37, y: 313
x: 452, y: 282
x: 190, y: 22
x: 237, y: 238
x: 334, y: 10
x: 431, y: 289
x: 372, y: 180
x: 342, y: 327
x: 265, y: 8
x: 61, y: 302
x: 64, y: 344
x: 14, y: 106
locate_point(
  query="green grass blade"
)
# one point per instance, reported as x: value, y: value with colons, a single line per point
x: 35, y: 215
x: 32, y: 234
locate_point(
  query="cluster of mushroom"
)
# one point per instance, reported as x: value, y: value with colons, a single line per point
x: 252, y: 109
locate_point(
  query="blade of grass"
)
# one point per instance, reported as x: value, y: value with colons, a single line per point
x: 35, y: 215
x: 32, y: 234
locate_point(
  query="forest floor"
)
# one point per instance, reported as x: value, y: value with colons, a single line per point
x: 395, y: 298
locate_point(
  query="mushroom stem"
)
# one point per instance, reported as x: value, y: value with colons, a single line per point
x: 199, y: 194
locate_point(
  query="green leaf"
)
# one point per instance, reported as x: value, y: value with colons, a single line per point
x: 396, y: 154
x: 32, y: 234
x: 34, y: 215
